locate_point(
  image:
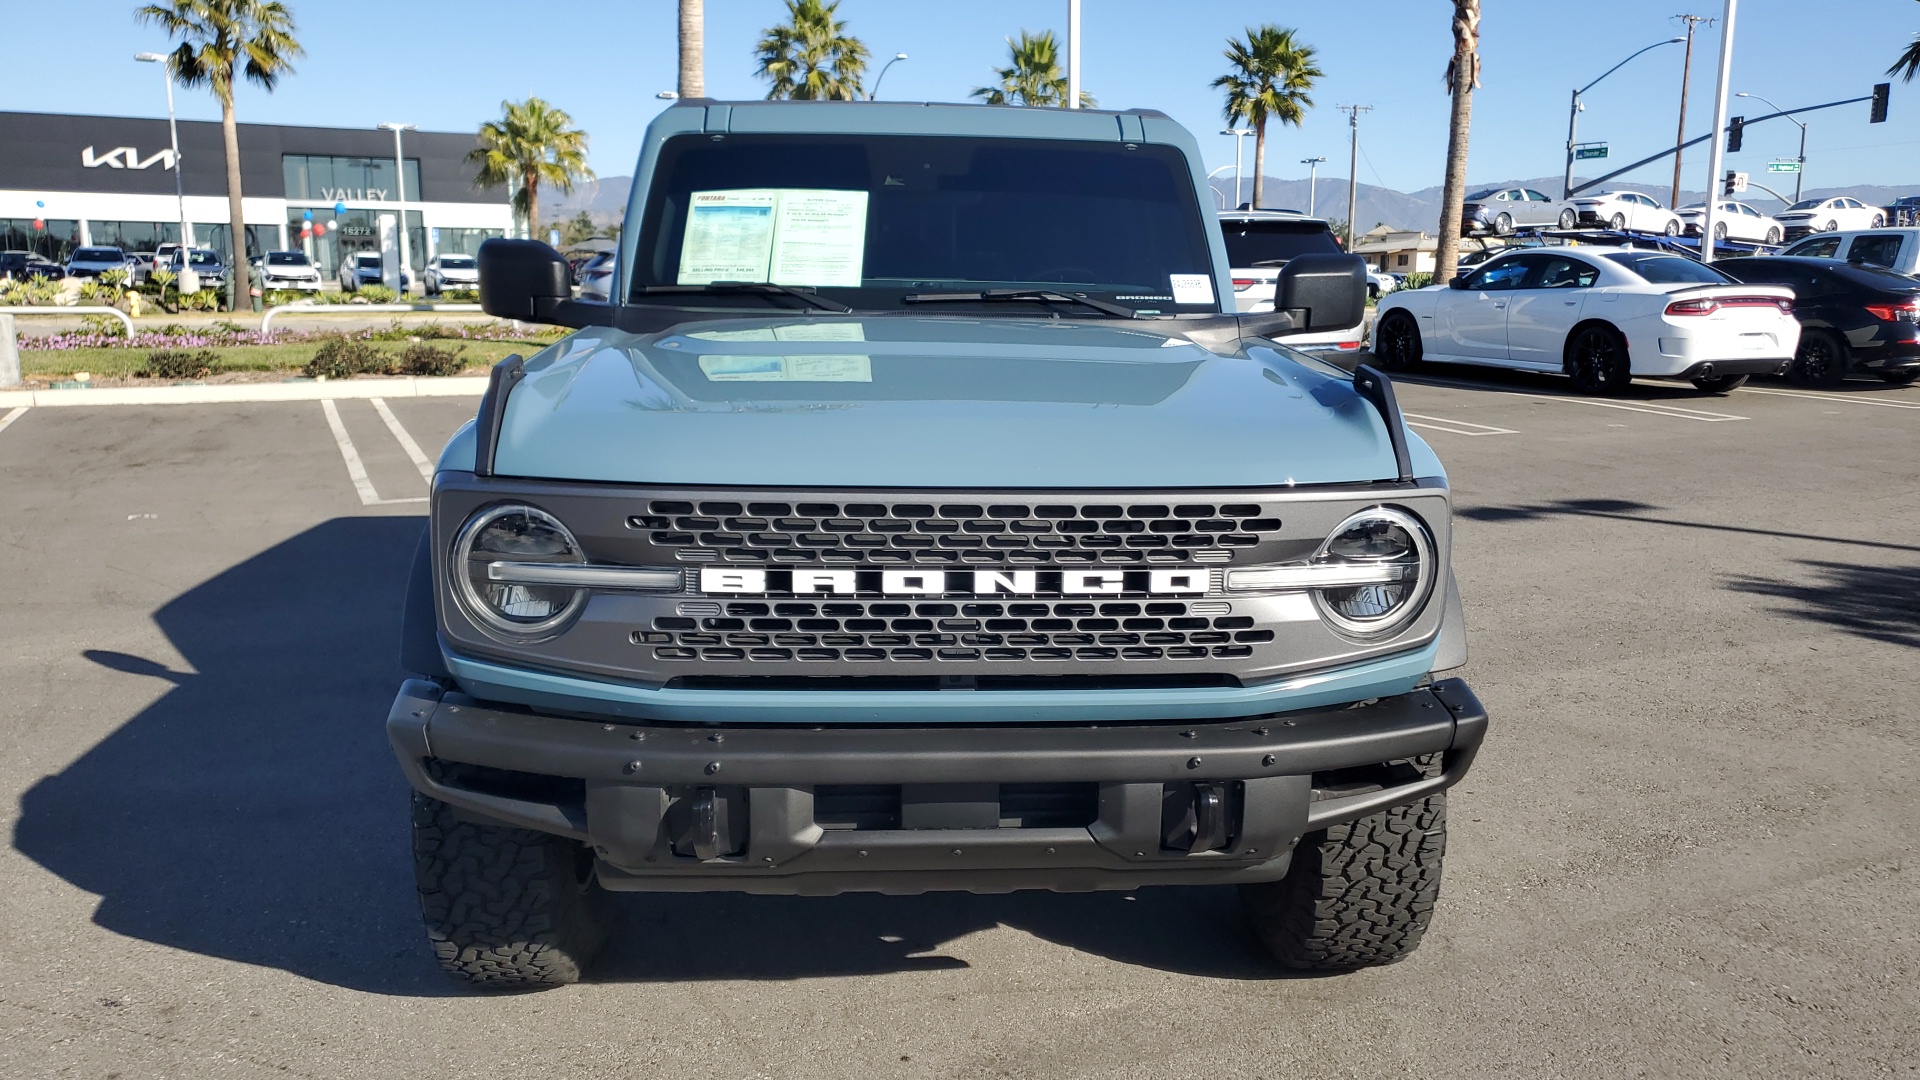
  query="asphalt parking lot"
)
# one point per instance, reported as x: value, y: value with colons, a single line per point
x: 1690, y: 847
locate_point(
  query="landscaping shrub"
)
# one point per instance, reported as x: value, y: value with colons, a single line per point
x: 423, y: 359
x: 179, y: 364
x: 103, y: 325
x: 1416, y: 281
x: 342, y: 357
x: 376, y: 294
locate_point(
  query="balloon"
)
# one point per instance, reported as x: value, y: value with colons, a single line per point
x: 308, y: 215
x: 38, y: 224
x: 39, y: 204
x: 340, y: 208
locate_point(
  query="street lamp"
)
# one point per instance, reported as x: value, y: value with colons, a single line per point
x: 1573, y: 113
x: 1238, y: 134
x: 1800, y: 176
x: 1313, y: 179
x: 173, y: 130
x: 875, y: 92
x: 400, y: 189
x: 668, y: 95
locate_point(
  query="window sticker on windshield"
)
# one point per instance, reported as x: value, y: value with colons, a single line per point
x: 1191, y: 288
x: 787, y: 368
x: 785, y: 236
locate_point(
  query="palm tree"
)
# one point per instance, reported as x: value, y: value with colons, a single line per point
x: 693, y: 43
x: 1463, y: 76
x: 218, y: 40
x: 811, y: 56
x: 1033, y: 77
x: 1271, y: 76
x: 1909, y: 63
x: 531, y: 144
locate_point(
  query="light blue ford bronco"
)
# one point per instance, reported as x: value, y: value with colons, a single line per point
x: 918, y: 515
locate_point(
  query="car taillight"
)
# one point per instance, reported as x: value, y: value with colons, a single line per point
x: 1906, y: 312
x: 1709, y: 305
x: 1693, y: 307
x: 1242, y: 282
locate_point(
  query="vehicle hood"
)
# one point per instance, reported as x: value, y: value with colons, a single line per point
x: 908, y: 402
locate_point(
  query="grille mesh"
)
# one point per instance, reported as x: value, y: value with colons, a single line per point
x: 930, y: 533
x: 1042, y: 630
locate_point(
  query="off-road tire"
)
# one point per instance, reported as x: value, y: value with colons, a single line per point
x: 505, y: 908
x: 1356, y: 895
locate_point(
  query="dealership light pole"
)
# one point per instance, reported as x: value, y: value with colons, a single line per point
x: 1717, y: 148
x: 1573, y: 111
x: 1800, y: 174
x: 173, y: 130
x: 1238, y: 134
x: 1313, y: 179
x: 875, y: 91
x: 400, y: 190
x: 1073, y: 54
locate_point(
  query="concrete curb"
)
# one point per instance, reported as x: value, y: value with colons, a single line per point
x: 224, y: 393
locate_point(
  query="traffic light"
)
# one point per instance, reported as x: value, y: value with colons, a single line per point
x: 1727, y: 185
x: 1879, y: 113
x: 1733, y: 133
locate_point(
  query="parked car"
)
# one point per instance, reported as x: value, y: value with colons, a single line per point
x: 1732, y: 221
x: 91, y: 262
x: 23, y: 265
x: 286, y: 270
x: 1602, y: 315
x: 1260, y: 243
x: 1853, y: 317
x: 1626, y: 210
x: 364, y: 268
x: 596, y: 277
x: 1829, y: 215
x: 205, y: 262
x: 450, y: 272
x: 1501, y: 210
x: 1904, y: 211
x: 1896, y: 249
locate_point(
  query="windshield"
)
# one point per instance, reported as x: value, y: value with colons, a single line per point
x: 286, y: 258
x: 455, y: 262
x: 1487, y: 194
x: 98, y: 255
x: 871, y: 219
x: 1661, y: 269
x: 1807, y: 204
x: 1270, y: 243
x: 204, y: 258
x: 366, y: 260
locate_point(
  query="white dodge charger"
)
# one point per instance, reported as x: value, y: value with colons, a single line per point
x: 1600, y: 315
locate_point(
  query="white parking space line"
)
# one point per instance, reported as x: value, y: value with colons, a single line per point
x: 1651, y: 407
x: 16, y: 413
x: 356, y: 469
x: 1851, y: 399
x: 1454, y: 427
x: 406, y: 441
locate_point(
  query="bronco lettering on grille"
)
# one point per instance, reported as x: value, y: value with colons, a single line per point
x: 917, y: 582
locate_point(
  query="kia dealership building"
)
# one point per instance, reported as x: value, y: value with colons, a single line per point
x: 68, y: 181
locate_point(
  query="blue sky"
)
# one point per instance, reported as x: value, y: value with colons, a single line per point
x: 446, y: 65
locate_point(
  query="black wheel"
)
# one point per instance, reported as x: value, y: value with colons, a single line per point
x: 1373, y: 291
x: 1396, y: 341
x: 1357, y: 895
x: 1821, y: 359
x: 1773, y: 235
x: 1566, y: 219
x: 1503, y: 224
x: 1617, y: 222
x: 1898, y: 378
x: 505, y: 908
x: 1720, y: 384
x: 1597, y: 361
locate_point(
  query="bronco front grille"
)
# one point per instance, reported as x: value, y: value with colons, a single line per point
x: 855, y: 630
x: 1010, y: 534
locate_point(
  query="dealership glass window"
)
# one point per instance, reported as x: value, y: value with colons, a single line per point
x: 465, y: 241
x: 134, y: 235
x: 355, y: 230
x: 355, y: 179
x: 55, y: 239
x: 219, y: 237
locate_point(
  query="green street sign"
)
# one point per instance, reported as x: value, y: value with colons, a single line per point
x: 1783, y: 166
x: 1583, y: 153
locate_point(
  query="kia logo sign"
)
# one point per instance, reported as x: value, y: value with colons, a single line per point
x: 124, y: 157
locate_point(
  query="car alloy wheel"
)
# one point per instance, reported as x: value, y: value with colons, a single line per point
x: 1719, y: 231
x: 1597, y: 361
x: 1617, y: 222
x: 1396, y: 342
x: 1821, y: 360
x: 1503, y: 224
x: 1773, y: 236
x: 1566, y: 219
x: 1830, y: 226
x: 1878, y: 220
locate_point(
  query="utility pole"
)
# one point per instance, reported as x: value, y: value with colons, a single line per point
x: 1718, y: 145
x: 1073, y: 54
x: 1353, y: 165
x: 1686, y: 72
x: 1313, y: 179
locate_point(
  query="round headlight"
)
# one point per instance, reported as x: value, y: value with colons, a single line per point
x: 515, y: 534
x: 1393, y: 542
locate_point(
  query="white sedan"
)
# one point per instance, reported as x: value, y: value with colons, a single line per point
x: 1600, y: 315
x: 1826, y: 215
x: 1733, y: 221
x: 1626, y: 210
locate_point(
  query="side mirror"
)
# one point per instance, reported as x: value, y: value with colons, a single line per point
x: 1322, y: 292
x: 1458, y: 281
x: 529, y: 281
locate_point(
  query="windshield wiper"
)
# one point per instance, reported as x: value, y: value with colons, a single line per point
x: 765, y: 288
x: 1269, y: 262
x: 999, y: 295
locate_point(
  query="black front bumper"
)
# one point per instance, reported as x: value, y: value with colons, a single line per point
x: 694, y: 808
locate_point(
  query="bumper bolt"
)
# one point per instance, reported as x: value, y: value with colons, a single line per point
x: 1260, y: 731
x: 633, y: 766
x: 863, y: 855
x: 1268, y: 760
x: 1189, y: 734
x: 638, y: 736
x: 712, y: 767
x: 1193, y: 763
x: 716, y: 737
x: 956, y: 851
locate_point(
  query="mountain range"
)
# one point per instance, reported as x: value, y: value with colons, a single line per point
x: 605, y: 200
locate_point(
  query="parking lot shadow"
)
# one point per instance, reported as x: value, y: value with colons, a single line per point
x: 1876, y: 601
x: 254, y: 813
